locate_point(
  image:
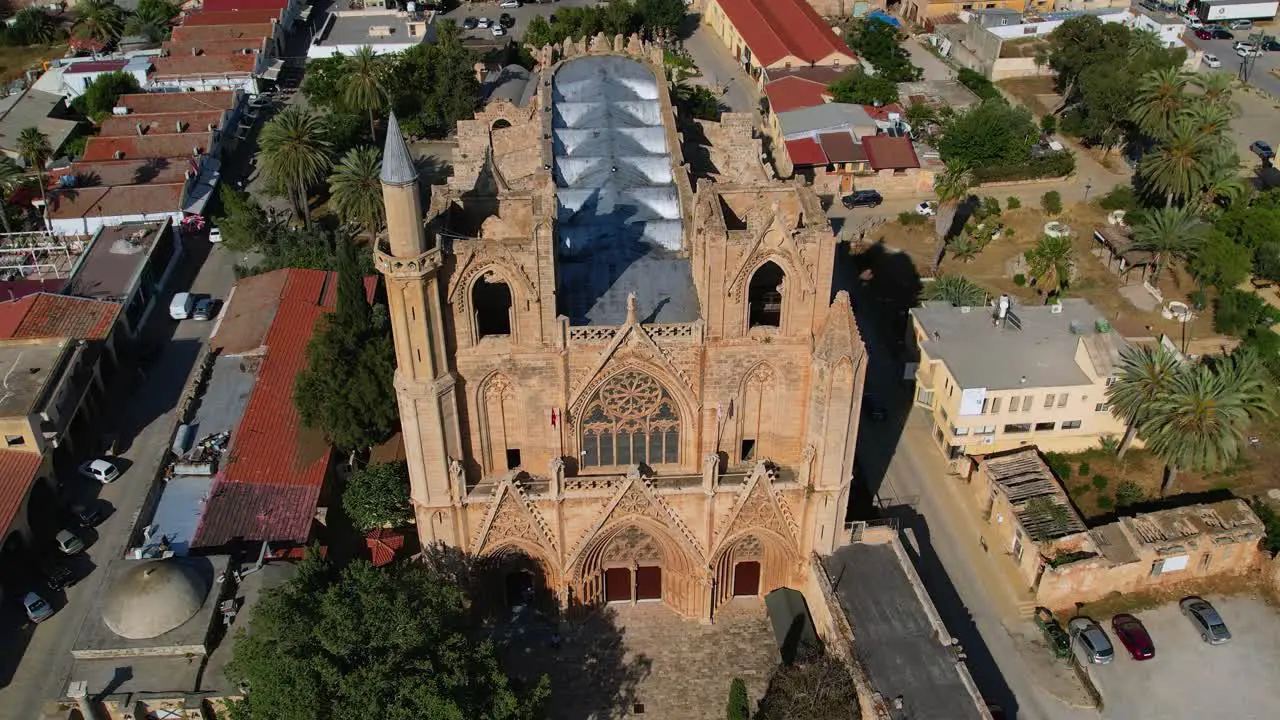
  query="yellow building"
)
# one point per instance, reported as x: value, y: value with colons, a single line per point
x: 918, y: 10
x: 1003, y: 376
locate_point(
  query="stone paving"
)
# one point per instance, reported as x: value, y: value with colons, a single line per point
x: 645, y: 661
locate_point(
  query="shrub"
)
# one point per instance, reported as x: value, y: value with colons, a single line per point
x: 1129, y: 493
x: 1058, y: 463
x: 979, y: 84
x: 1083, y: 469
x: 1109, y: 443
x: 1057, y: 164
x: 1120, y: 197
x: 908, y: 218
x: 1051, y: 202
x: 1270, y: 523
x: 988, y: 208
x: 1020, y: 280
x: 1013, y: 203
x: 1238, y: 312
x: 1049, y: 123
x: 1105, y: 502
x: 739, y: 704
x: 1100, y: 481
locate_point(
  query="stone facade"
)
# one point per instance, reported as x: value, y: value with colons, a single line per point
x: 682, y: 462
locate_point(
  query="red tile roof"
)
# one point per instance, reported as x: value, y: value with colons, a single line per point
x: 196, y: 33
x: 383, y: 545
x: 145, y: 171
x: 882, y: 113
x: 775, y: 29
x: 794, y: 93
x: 43, y: 315
x: 136, y: 147
x: 840, y: 147
x: 17, y: 475
x: 806, y: 151
x: 151, y: 103
x: 160, y: 123
x: 219, y: 46
x: 242, y: 5
x: 179, y: 66
x: 118, y: 201
x: 890, y: 153
x: 205, y: 18
x: 275, y: 469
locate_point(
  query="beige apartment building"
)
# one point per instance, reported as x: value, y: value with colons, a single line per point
x: 1004, y: 376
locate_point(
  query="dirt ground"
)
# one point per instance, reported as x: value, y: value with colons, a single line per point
x: 15, y: 60
x: 1039, y: 96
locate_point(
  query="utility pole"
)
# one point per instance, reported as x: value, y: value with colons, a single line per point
x: 1246, y: 62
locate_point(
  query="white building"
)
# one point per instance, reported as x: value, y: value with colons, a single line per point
x: 385, y: 31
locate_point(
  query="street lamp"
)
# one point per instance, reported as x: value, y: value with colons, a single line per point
x: 1087, y: 187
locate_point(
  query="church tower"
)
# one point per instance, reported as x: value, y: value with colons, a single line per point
x: 425, y: 383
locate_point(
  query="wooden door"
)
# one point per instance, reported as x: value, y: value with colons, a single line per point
x: 617, y: 585
x: 746, y: 578
x: 649, y: 583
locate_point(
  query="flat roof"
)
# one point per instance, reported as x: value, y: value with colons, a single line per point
x: 26, y: 367
x: 32, y: 109
x: 117, y: 202
x: 389, y: 28
x: 111, y: 173
x: 893, y: 636
x: 178, y: 513
x: 979, y: 354
x: 109, y: 269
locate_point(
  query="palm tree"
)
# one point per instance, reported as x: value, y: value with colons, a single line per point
x: 951, y: 187
x: 362, y: 87
x: 1177, y: 168
x: 152, y: 20
x: 1215, y: 88
x: 1222, y: 178
x: 1199, y: 421
x: 1160, y: 99
x: 958, y: 290
x: 1213, y: 120
x: 356, y: 191
x: 295, y: 155
x: 12, y: 177
x: 1142, y: 42
x: 100, y: 20
x: 1050, y: 261
x: 1146, y: 373
x: 34, y: 26
x: 33, y: 146
x: 1166, y: 233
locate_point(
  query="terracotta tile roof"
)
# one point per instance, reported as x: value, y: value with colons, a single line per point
x: 134, y: 147
x: 275, y: 469
x: 793, y: 93
x: 118, y: 201
x: 242, y: 5
x: 44, y: 315
x: 196, y: 33
x: 774, y: 29
x: 882, y: 113
x: 817, y: 73
x: 17, y: 475
x: 806, y: 151
x: 152, y: 103
x: 383, y: 545
x: 890, y: 153
x: 178, y: 66
x: 109, y: 173
x: 223, y: 46
x: 840, y: 147
x: 160, y: 123
x: 206, y: 17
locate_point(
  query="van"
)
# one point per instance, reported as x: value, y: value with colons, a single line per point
x: 181, y: 306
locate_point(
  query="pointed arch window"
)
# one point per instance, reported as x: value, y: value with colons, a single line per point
x: 764, y: 296
x: 631, y: 419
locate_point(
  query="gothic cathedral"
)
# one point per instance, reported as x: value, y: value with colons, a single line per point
x: 622, y: 373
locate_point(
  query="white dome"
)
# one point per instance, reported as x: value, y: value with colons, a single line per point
x: 154, y: 597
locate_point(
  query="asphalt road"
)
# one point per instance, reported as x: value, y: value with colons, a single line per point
x: 1260, y: 75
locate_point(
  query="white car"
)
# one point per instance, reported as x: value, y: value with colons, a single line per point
x: 37, y: 608
x: 1248, y: 50
x: 1212, y: 61
x: 104, y: 471
x: 483, y: 22
x: 926, y: 208
x: 509, y: 4
x: 498, y: 31
x: 215, y: 235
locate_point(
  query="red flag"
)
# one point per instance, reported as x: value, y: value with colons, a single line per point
x: 553, y: 417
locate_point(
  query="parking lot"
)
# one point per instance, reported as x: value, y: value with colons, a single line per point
x: 1190, y: 679
x: 522, y: 15
x: 1260, y: 76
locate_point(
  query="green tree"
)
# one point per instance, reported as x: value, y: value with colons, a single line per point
x: 100, y: 20
x: 12, y: 177
x: 1146, y: 374
x: 1241, y: 312
x: 1221, y: 262
x: 993, y: 133
x: 392, y: 642
x: 859, y: 88
x: 817, y: 688
x: 1199, y: 423
x: 363, y: 88
x: 878, y: 43
x: 152, y: 19
x: 739, y: 703
x: 34, y: 148
x: 951, y: 187
x: 1161, y: 99
x: 539, y: 33
x: 355, y: 190
x: 34, y: 26
x: 660, y: 16
x: 378, y: 496
x: 1178, y: 167
x: 957, y: 290
x: 696, y: 101
x: 1051, y: 202
x: 435, y: 84
x: 294, y: 155
x: 243, y: 223
x: 101, y: 95
x: 1215, y: 88
x: 1050, y: 262
x: 1168, y: 232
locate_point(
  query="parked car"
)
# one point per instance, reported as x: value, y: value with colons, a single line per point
x: 1241, y: 25
x: 497, y: 31
x: 68, y: 542
x: 38, y: 610
x: 1093, y: 639
x: 57, y: 575
x: 1206, y: 620
x: 1204, y: 33
x: 506, y: 21
x: 1244, y: 50
x: 1270, y: 45
x: 104, y: 471
x: 862, y: 198
x: 181, y: 305
x: 469, y: 23
x: 215, y: 235
x: 483, y: 23
x: 927, y: 208
x: 510, y: 4
x: 86, y: 515
x: 206, y: 309
x: 1222, y: 34
x: 1211, y: 61
x: 1262, y: 149
x: 1134, y: 636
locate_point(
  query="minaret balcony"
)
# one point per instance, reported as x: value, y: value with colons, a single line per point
x: 406, y: 267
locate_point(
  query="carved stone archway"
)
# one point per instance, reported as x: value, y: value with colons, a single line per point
x: 642, y: 553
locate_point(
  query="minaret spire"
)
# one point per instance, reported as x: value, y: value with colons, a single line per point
x: 397, y: 163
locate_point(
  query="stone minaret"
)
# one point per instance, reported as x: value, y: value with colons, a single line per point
x: 425, y: 384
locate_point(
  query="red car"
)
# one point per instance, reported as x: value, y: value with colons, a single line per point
x: 1133, y: 636
x: 1204, y: 34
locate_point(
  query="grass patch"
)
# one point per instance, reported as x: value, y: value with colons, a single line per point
x: 15, y: 60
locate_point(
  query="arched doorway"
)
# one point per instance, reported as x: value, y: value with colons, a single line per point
x: 764, y: 296
x: 637, y: 561
x: 491, y: 299
x: 512, y: 580
x: 751, y: 565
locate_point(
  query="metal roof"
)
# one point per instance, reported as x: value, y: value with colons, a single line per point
x: 397, y: 163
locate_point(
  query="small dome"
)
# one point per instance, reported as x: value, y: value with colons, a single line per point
x: 154, y: 597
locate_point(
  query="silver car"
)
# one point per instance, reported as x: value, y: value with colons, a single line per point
x: 1092, y: 639
x: 1206, y: 620
x: 69, y: 543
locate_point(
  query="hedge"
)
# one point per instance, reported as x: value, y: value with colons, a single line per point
x: 1051, y: 165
